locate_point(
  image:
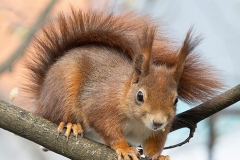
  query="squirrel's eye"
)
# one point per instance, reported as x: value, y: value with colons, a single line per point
x: 140, y: 96
x: 175, y: 102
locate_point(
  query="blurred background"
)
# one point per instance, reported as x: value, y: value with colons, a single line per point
x: 217, y: 138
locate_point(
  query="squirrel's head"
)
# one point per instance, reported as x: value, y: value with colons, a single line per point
x: 153, y: 95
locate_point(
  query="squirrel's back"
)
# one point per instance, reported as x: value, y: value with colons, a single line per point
x: 80, y: 76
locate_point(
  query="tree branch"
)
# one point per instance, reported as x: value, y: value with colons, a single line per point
x: 191, y: 117
x: 44, y: 133
x: 206, y: 109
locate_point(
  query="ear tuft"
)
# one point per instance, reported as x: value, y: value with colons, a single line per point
x: 138, y: 64
x: 142, y: 60
x: 188, y: 46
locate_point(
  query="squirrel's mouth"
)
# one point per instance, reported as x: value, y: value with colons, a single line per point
x: 157, y: 129
x: 157, y: 126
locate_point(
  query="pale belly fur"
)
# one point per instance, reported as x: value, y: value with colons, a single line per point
x: 134, y: 132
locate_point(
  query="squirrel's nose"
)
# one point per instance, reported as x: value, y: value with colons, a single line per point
x: 157, y: 124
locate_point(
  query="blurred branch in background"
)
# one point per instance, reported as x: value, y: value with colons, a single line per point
x: 8, y: 63
x: 212, y: 136
x: 213, y: 131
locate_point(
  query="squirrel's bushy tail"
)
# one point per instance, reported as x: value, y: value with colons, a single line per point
x: 122, y: 32
x: 76, y: 30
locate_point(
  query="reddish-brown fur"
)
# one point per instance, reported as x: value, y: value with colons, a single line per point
x: 87, y: 68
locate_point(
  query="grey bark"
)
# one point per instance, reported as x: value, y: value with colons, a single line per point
x: 44, y: 133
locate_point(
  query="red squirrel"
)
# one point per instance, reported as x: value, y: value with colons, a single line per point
x: 115, y: 79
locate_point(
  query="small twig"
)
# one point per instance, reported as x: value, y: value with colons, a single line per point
x: 191, y: 134
x: 8, y: 63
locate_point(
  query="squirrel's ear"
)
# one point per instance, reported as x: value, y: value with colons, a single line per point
x: 188, y: 46
x: 142, y: 60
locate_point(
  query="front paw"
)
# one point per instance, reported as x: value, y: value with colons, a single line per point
x: 76, y: 128
x: 157, y: 156
x: 126, y: 153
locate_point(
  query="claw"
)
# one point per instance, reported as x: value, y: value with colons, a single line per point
x: 60, y: 128
x: 157, y: 157
x: 77, y: 129
x: 80, y: 129
x: 68, y: 131
x: 164, y: 158
x: 126, y: 153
